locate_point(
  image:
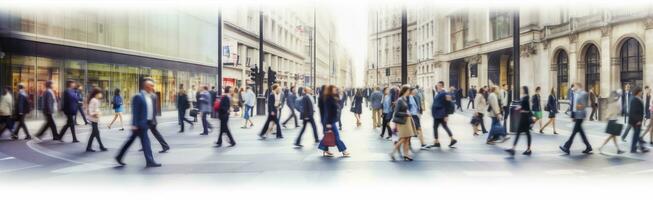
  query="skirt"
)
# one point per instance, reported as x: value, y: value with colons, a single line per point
x: 537, y: 114
x: 418, y: 123
x: 552, y: 114
x: 119, y: 109
x: 407, y: 129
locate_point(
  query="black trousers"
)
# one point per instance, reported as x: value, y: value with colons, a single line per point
x: 145, y: 143
x: 292, y: 116
x: 224, y: 128
x: 271, y: 119
x: 157, y: 135
x: 49, y: 123
x: 506, y: 112
x: 482, y: 118
x: 80, y: 109
x: 194, y: 104
x: 20, y: 124
x: 181, y: 115
x: 6, y: 122
x: 594, y: 114
x: 385, y: 124
x: 307, y: 121
x: 70, y: 123
x: 578, y: 129
x: 471, y: 101
x: 436, y: 124
x: 95, y: 135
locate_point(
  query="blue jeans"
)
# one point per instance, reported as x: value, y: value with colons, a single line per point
x: 341, y: 145
x: 205, y: 123
x: 248, y: 111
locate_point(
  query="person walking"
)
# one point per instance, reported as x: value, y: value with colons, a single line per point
x: 214, y: 95
x: 405, y: 127
x: 249, y: 99
x: 471, y: 96
x: 23, y: 107
x: 307, y: 116
x: 79, y: 91
x: 415, y: 112
x: 626, y: 99
x: 594, y: 103
x: 497, y: 131
x: 274, y: 102
x: 192, y: 98
x: 357, y: 107
x: 376, y: 100
x: 536, y: 107
x: 204, y: 103
x: 387, y: 112
x: 459, y: 97
x: 647, y: 105
x: 579, y: 113
x: 552, y: 108
x: 118, y: 109
x: 182, y: 106
x: 479, y: 112
x: 330, y: 100
x: 94, y: 113
x: 341, y: 105
x: 235, y: 101
x: 613, y: 128
x: 635, y: 119
x: 6, y: 110
x: 504, y: 101
x: 525, y: 121
x: 143, y: 116
x: 440, y: 114
x: 223, y: 115
x: 70, y: 105
x: 49, y: 108
x: 290, y: 102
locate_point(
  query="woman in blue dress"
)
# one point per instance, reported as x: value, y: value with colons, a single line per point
x: 356, y: 106
x: 118, y: 108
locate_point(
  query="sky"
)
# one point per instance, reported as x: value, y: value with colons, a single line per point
x: 351, y: 24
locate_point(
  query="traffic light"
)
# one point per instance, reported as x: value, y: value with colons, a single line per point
x: 253, y: 74
x: 272, y: 76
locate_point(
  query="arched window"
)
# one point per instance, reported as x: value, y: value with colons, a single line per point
x: 592, y: 69
x: 562, y: 64
x: 631, y: 63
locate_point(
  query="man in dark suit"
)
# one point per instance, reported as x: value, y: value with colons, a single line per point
x: 79, y: 91
x: 223, y: 114
x: 307, y: 116
x: 635, y: 119
x: 626, y: 99
x: 214, y: 95
x: 182, y: 105
x: 272, y: 112
x: 143, y: 116
x: 471, y: 95
x: 290, y: 102
x: 49, y: 108
x: 203, y: 100
x: 70, y: 106
x: 22, y: 109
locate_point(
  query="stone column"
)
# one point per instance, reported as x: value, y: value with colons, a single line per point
x: 573, y: 59
x: 482, y: 70
x: 648, y: 52
x: 607, y: 76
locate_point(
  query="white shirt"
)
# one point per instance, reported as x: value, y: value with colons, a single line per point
x: 94, y: 110
x: 6, y: 105
x: 149, y: 105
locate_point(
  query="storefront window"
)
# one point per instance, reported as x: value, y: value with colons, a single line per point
x: 563, y: 74
x: 99, y: 75
x: 48, y: 70
x: 22, y: 71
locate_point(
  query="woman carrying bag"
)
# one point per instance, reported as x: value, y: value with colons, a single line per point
x: 405, y: 127
x: 613, y: 129
x: 331, y: 135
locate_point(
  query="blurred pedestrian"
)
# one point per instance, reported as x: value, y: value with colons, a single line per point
x: 274, y: 104
x: 70, y: 106
x: 376, y: 100
x: 579, y: 113
x: 118, y: 109
x: 204, y: 103
x: 6, y: 110
x: 307, y: 116
x: 416, y: 115
x: 613, y: 128
x: 182, y: 106
x: 594, y: 103
x: 94, y: 104
x: 223, y: 113
x: 525, y: 121
x: 406, y: 129
x: 23, y: 107
x: 536, y: 107
x: 626, y: 99
x: 290, y: 102
x: 440, y: 111
x: 635, y: 119
x: 357, y: 107
x: 552, y: 108
x: 192, y: 98
x: 79, y: 91
x: 497, y: 130
x: 249, y: 100
x: 387, y: 112
x: 479, y: 112
x: 330, y: 100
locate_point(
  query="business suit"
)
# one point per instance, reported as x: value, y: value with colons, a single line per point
x: 203, y: 101
x: 152, y: 125
x: 80, y: 105
x: 635, y: 119
x: 626, y: 99
x: 70, y: 106
x: 273, y: 117
x: 290, y: 101
x: 307, y: 117
x: 471, y: 95
x: 214, y: 95
x: 439, y: 113
x: 579, y: 113
x: 140, y: 123
x: 22, y: 109
x: 182, y: 106
x: 49, y: 102
x: 223, y: 114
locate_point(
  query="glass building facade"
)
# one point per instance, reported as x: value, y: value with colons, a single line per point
x: 110, y: 49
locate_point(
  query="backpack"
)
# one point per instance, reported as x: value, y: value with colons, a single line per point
x: 216, y: 104
x: 299, y: 104
x: 450, y: 107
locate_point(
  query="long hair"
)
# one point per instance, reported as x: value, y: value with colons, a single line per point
x: 404, y: 89
x: 359, y: 93
x: 525, y: 88
x: 94, y: 92
x: 328, y: 93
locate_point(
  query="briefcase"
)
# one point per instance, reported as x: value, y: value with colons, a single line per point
x: 194, y: 112
x: 614, y: 128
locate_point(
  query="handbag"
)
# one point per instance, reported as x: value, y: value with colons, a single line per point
x: 329, y: 138
x: 614, y: 128
x: 399, y: 118
x: 194, y: 112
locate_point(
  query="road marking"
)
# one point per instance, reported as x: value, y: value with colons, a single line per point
x: 18, y: 169
x: 7, y: 158
x: 565, y: 172
x: 31, y: 144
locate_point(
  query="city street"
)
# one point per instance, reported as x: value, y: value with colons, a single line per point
x: 195, y: 157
